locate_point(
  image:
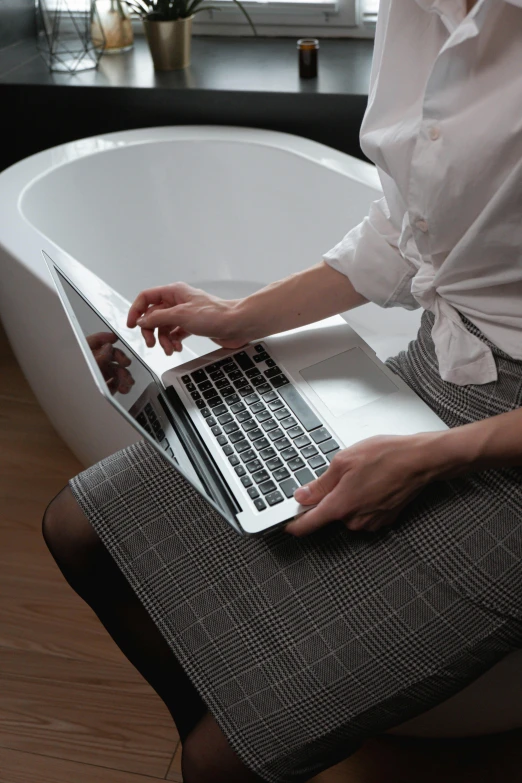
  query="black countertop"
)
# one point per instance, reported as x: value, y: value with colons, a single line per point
x: 251, y: 82
x: 266, y: 65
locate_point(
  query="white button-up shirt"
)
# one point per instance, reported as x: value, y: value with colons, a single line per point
x: 444, y: 128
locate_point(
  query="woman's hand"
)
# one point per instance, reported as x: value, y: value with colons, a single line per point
x: 112, y: 362
x: 178, y: 310
x: 369, y: 484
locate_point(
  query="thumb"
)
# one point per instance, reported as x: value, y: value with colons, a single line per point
x: 172, y: 316
x: 312, y: 493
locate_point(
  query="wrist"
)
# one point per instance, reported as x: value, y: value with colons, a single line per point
x: 239, y: 320
x: 445, y: 454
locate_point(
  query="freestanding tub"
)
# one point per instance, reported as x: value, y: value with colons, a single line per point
x: 225, y: 209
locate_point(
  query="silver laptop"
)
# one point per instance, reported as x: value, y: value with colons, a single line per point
x: 247, y: 427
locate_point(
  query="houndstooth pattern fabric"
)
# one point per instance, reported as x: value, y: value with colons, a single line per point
x: 302, y: 648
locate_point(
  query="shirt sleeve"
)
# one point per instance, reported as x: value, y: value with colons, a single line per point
x: 370, y: 258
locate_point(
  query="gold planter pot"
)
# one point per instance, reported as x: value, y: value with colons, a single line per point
x: 169, y: 43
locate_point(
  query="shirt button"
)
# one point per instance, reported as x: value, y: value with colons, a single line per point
x: 434, y: 133
x: 422, y: 225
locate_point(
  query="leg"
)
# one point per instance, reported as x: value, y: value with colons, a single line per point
x: 92, y: 573
x: 208, y: 758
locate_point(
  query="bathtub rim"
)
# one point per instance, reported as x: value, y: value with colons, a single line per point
x: 18, y: 240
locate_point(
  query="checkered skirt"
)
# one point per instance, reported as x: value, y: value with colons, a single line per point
x: 302, y: 648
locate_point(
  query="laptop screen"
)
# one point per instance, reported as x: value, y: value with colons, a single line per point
x: 125, y: 376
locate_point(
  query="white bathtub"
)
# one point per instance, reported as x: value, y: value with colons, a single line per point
x: 226, y: 209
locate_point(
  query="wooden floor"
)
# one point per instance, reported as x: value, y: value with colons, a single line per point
x: 72, y: 709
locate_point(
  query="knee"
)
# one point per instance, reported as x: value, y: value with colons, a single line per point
x: 69, y: 535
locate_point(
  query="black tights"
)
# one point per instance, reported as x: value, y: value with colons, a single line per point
x: 90, y: 570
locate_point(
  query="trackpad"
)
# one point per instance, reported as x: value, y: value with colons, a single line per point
x: 348, y: 381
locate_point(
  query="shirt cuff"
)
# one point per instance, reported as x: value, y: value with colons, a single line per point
x: 369, y: 257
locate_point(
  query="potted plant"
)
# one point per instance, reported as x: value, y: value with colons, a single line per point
x: 168, y: 28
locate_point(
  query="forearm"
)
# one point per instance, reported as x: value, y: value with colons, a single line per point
x: 295, y: 301
x: 491, y: 443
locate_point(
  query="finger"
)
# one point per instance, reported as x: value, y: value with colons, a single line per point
x: 121, y: 358
x: 315, y: 491
x: 148, y: 336
x: 332, y: 507
x: 152, y: 296
x: 95, y: 341
x: 165, y: 341
x: 169, y: 316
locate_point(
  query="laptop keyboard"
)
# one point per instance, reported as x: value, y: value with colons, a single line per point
x: 271, y: 436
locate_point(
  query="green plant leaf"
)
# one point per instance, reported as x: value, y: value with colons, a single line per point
x: 246, y: 15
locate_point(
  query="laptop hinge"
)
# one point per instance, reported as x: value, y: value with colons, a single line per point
x: 198, y: 453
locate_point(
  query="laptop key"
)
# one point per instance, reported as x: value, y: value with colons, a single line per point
x: 249, y: 425
x: 259, y: 348
x: 229, y: 367
x: 316, y: 462
x: 269, y: 425
x: 243, y: 416
x: 149, y: 409
x: 156, y: 425
x: 228, y: 450
x: 264, y: 388
x: 296, y: 463
x: 185, y: 378
x: 255, y: 434
x: 290, y: 453
x: 260, y: 476
x: 241, y: 383
x: 280, y: 474
x: 309, y: 451
x: 302, y: 441
x: 321, y: 434
x: 217, y: 375
x: 263, y: 415
x: 234, y: 460
x: 301, y: 410
x: 270, y: 396
x: 227, y: 391
x: 251, y: 399
x: 275, y: 405
x: 257, y: 407
x: 267, y: 486
x: 160, y: 434
x: 242, y: 445
x: 237, y: 407
x: 257, y: 381
x: 294, y: 432
x: 205, y: 412
x: 320, y: 471
x: 219, y: 410
x: 272, y: 372
x: 214, y: 402
x: 252, y: 491
x: 240, y: 470
x: 267, y: 453
x: 253, y: 373
x: 248, y: 455
x: 246, y: 481
x: 200, y: 404
x: 261, y: 443
x: 231, y: 399
x: 259, y: 504
x: 273, y: 498
x: 221, y: 439
x: 225, y: 419
x: 289, y: 486
x: 232, y: 427
x: 282, y: 444
x: 204, y: 386
x: 198, y: 376
x: 286, y: 424
x: 279, y: 380
x: 141, y: 419
x: 270, y: 362
x: 331, y: 455
x: 254, y: 465
x: 244, y: 360
x: 222, y: 383
x: 191, y: 387
x: 195, y: 395
x: 245, y: 390
x: 304, y: 476
x: 234, y: 376
x: 329, y: 445
x: 237, y: 436
x: 261, y: 357
x: 282, y: 413
x: 274, y: 463
x: 275, y: 434
x: 216, y: 430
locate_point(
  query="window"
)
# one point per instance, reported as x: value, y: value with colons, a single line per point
x: 321, y: 18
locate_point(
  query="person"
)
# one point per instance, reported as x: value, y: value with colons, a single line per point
x: 279, y: 655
